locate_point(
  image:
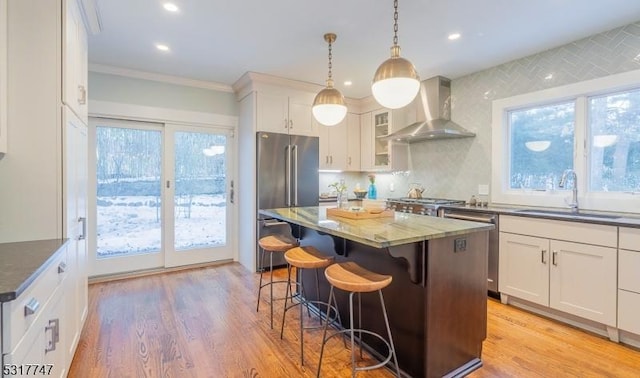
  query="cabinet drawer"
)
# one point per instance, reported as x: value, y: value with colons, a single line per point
x: 629, y: 270
x: 586, y: 233
x: 630, y: 238
x: 16, y: 318
x: 629, y: 311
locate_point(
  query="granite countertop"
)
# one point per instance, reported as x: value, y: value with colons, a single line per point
x: 22, y: 262
x: 584, y: 216
x: 400, y: 229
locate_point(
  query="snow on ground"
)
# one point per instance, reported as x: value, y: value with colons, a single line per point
x: 132, y: 224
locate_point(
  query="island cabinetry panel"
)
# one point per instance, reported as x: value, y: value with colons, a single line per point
x: 629, y: 280
x: 576, y: 278
x: 286, y: 113
x: 436, y: 302
x: 340, y: 144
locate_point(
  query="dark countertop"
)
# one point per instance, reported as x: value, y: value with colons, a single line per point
x: 385, y: 232
x: 584, y: 216
x: 22, y: 262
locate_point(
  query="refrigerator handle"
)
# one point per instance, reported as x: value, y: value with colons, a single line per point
x: 287, y: 185
x: 294, y: 149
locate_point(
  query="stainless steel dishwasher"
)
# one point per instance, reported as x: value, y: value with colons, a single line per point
x: 484, y: 216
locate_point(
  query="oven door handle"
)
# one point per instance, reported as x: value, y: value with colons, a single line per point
x: 473, y: 218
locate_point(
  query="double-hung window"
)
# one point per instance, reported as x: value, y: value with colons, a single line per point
x: 591, y: 128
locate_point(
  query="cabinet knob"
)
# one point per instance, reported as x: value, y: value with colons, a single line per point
x: 286, y: 124
x: 543, y: 256
x: 291, y: 124
x: 554, y: 257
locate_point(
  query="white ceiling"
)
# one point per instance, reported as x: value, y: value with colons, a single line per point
x: 219, y: 40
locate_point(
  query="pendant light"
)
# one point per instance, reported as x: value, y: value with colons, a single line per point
x: 396, y: 82
x: 329, y: 108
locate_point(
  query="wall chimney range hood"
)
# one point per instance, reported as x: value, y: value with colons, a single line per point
x: 433, y: 107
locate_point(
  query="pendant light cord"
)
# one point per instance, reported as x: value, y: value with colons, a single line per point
x: 330, y: 65
x: 395, y: 23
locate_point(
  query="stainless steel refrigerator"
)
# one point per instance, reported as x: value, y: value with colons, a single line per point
x: 287, y: 176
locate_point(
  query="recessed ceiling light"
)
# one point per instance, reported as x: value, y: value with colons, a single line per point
x: 549, y: 76
x: 453, y: 36
x: 347, y: 83
x: 170, y: 7
x: 162, y: 47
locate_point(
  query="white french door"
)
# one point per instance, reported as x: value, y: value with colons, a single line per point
x: 196, y: 188
x: 160, y: 195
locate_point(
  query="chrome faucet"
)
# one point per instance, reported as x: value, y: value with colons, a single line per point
x: 563, y: 181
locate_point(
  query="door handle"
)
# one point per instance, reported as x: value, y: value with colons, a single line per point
x: 83, y: 236
x: 294, y: 149
x: 231, y: 192
x: 286, y: 124
x: 290, y: 124
x: 554, y: 256
x: 287, y: 184
x: 54, y: 327
x: 543, y: 256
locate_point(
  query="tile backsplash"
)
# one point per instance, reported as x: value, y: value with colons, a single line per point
x: 454, y: 168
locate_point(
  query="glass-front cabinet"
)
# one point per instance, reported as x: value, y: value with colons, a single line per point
x: 381, y: 129
x: 378, y: 153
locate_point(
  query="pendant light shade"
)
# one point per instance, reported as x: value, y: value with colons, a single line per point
x: 329, y: 107
x: 396, y: 82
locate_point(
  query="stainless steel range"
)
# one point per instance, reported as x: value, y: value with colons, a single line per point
x: 423, y: 206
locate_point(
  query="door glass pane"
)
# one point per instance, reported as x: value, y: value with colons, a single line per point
x: 200, y: 190
x: 541, y: 145
x: 128, y: 191
x: 614, y: 146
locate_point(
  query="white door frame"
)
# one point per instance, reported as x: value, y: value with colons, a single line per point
x: 115, y: 110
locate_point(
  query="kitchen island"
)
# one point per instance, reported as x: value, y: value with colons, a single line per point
x: 437, y: 301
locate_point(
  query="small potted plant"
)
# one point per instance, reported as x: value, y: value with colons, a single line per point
x: 341, y: 191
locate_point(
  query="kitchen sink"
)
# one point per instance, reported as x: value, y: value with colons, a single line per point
x: 567, y: 213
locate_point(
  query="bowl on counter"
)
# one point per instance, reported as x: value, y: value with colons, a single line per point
x: 360, y: 194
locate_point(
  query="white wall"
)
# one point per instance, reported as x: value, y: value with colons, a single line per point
x: 454, y: 168
x: 135, y: 91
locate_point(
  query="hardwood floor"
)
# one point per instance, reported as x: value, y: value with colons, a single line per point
x: 202, y: 323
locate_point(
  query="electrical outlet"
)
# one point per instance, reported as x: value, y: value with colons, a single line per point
x: 460, y: 245
x: 391, y: 187
x: 483, y: 189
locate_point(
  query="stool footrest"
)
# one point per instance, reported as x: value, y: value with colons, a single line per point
x: 359, y: 341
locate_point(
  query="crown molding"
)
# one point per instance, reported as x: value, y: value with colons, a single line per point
x: 126, y: 72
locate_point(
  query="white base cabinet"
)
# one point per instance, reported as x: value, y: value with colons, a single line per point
x: 34, y: 324
x: 573, y: 277
x: 629, y: 280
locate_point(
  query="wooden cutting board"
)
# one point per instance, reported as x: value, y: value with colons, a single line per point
x: 358, y: 214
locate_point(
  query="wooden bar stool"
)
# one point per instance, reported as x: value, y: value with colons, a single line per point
x: 272, y: 244
x: 307, y: 258
x: 353, y: 278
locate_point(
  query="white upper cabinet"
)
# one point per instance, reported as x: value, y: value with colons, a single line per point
x: 288, y: 113
x: 340, y: 144
x: 74, y: 60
